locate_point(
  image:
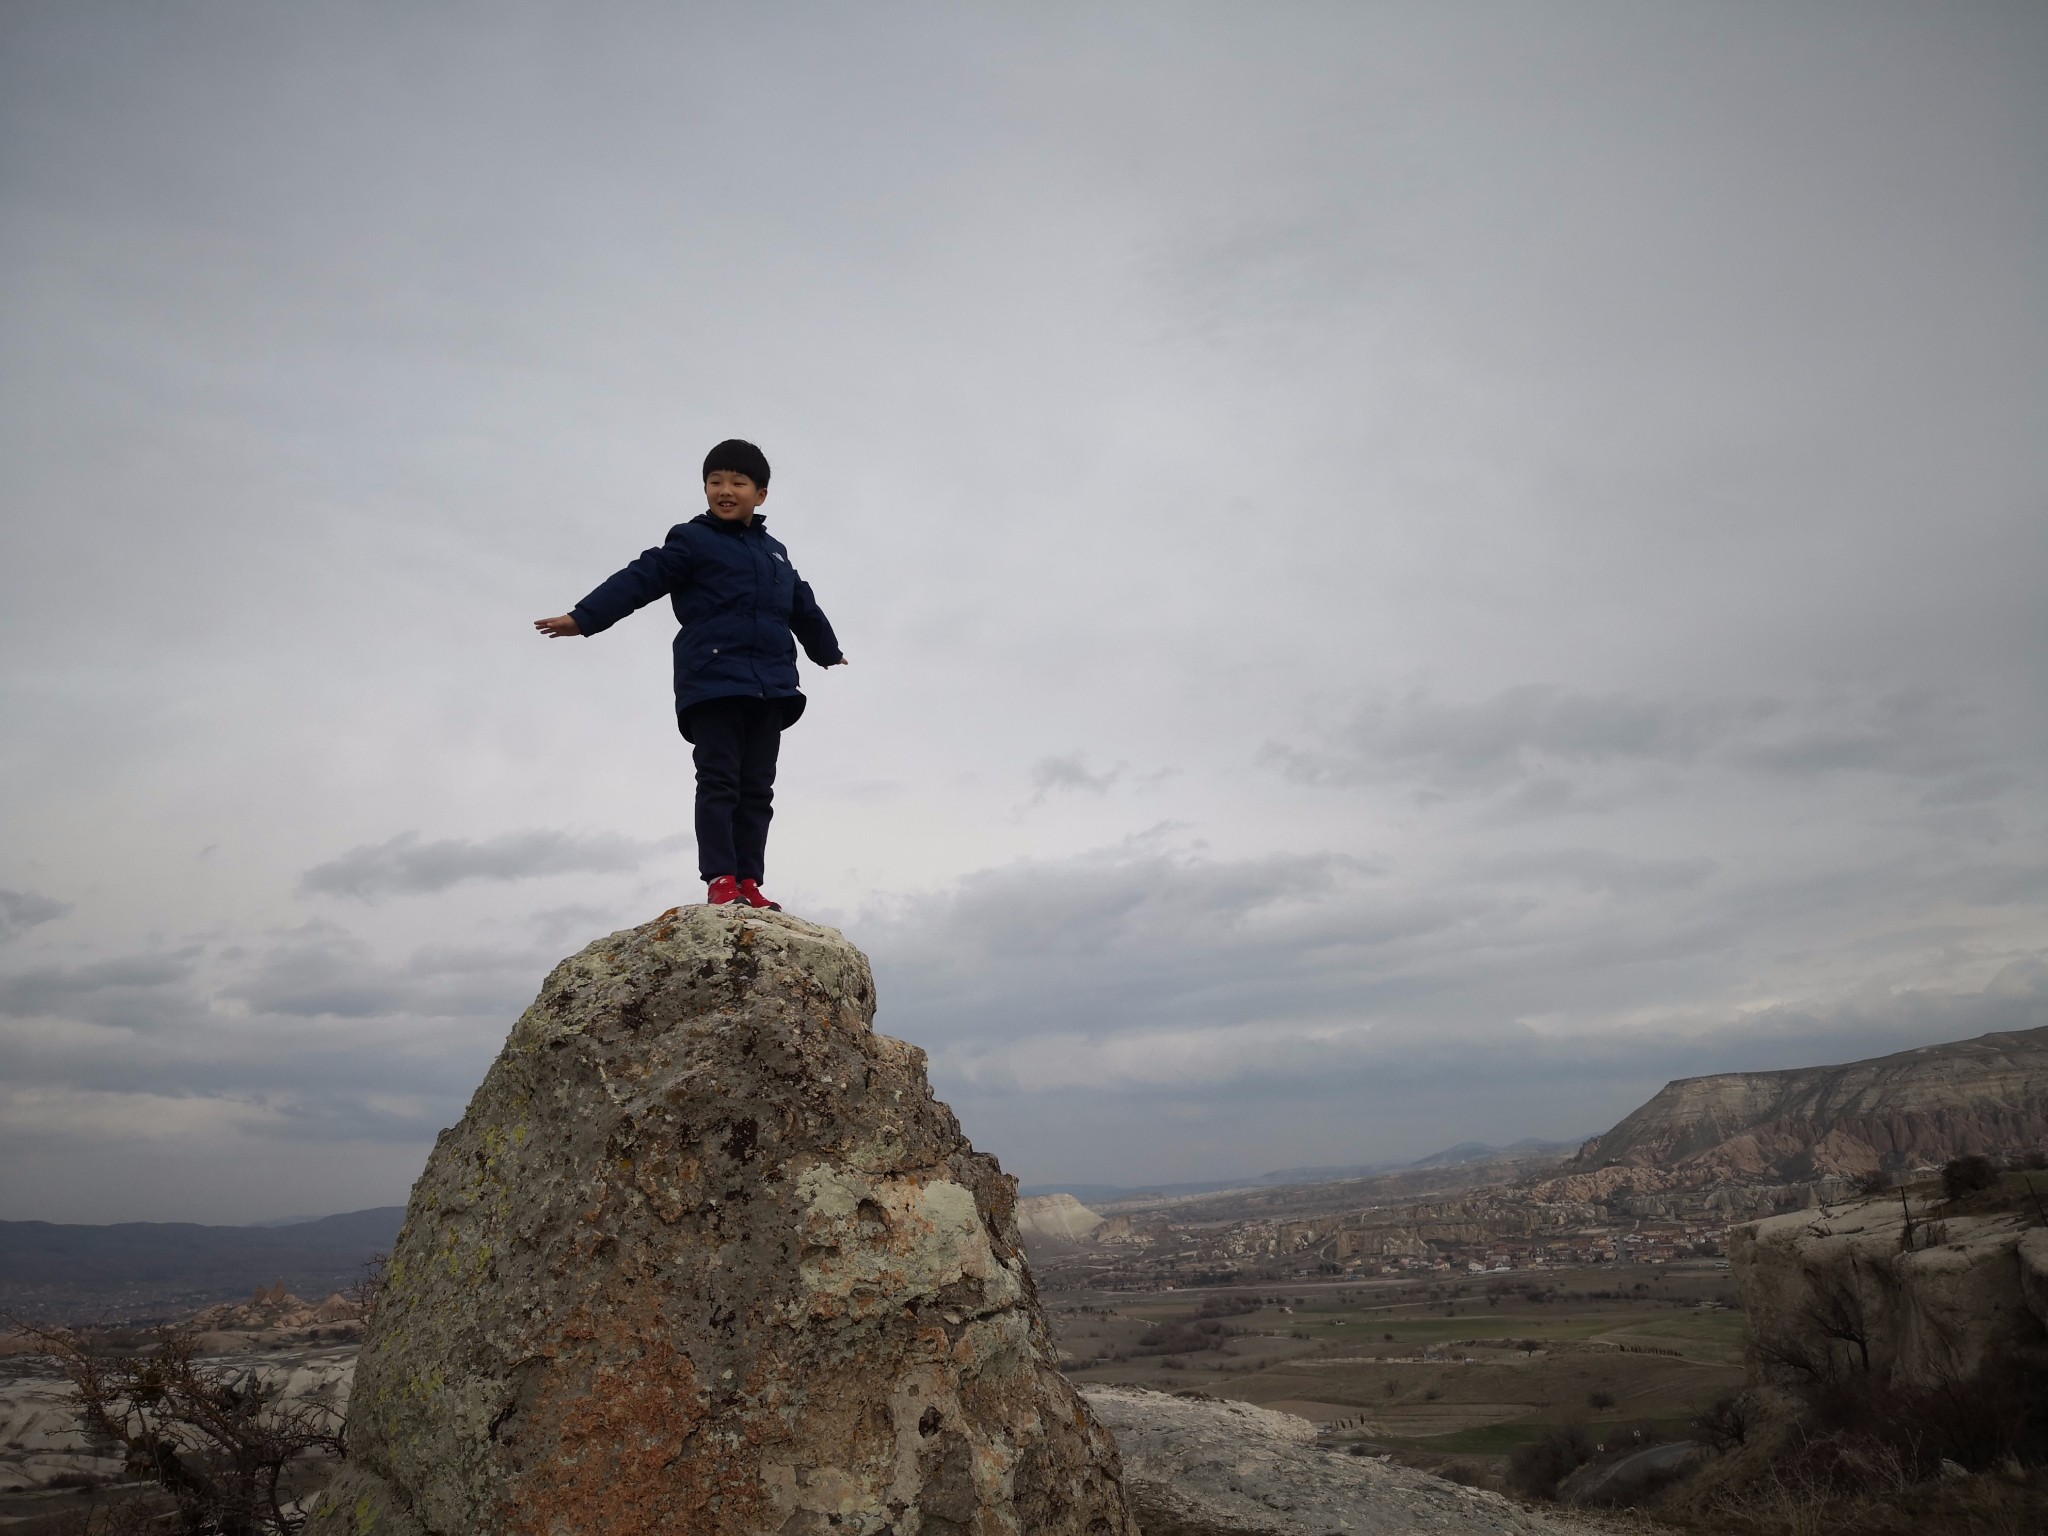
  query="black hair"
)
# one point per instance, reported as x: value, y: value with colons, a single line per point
x: 739, y: 457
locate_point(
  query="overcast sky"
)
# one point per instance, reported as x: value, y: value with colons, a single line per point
x: 1414, y: 571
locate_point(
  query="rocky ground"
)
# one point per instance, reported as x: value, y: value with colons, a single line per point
x: 1194, y: 1466
x: 1200, y: 1466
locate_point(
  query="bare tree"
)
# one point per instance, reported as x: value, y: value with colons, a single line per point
x: 1789, y: 1354
x: 369, y: 1285
x: 1835, y: 1312
x: 1726, y: 1422
x: 217, y: 1440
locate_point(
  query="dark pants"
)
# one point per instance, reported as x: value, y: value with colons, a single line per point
x: 736, y: 744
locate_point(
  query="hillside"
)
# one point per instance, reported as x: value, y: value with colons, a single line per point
x: 1888, y: 1114
x: 58, y: 1270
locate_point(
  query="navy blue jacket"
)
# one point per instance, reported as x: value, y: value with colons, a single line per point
x: 741, y: 605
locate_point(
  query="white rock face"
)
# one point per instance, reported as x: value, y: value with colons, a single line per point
x: 1061, y: 1218
x: 1203, y: 1467
x: 1932, y: 1314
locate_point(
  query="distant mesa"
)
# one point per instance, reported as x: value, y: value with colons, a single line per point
x: 1888, y: 1115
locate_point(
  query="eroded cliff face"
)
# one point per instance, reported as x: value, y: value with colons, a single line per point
x: 706, y: 1256
x: 1963, y: 1293
x: 1892, y: 1113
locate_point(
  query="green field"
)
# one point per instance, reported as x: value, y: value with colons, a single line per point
x: 1462, y: 1368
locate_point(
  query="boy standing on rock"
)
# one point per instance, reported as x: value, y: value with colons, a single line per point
x: 742, y: 608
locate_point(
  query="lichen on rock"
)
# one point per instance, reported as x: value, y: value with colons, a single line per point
x: 705, y: 1255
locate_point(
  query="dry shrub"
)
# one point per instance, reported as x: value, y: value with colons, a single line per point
x: 218, y: 1441
x: 1536, y: 1468
x: 1962, y: 1176
x: 1182, y: 1338
x: 1815, y: 1491
x: 1726, y: 1422
x: 1999, y: 1415
x: 1862, y: 1453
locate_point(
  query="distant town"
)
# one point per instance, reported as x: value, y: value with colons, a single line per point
x: 1497, y: 1230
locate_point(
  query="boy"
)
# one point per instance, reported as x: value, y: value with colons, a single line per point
x: 739, y: 602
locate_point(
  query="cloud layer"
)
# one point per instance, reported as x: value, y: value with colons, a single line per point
x: 405, y: 866
x: 1413, y: 572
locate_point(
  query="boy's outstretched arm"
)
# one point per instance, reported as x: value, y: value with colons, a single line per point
x: 655, y: 574
x: 813, y: 630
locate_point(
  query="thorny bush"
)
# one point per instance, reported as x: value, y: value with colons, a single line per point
x: 218, y: 1441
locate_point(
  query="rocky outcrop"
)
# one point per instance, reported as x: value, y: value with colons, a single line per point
x: 1056, y: 1219
x: 1196, y: 1466
x: 1889, y: 1114
x: 1845, y: 1288
x: 275, y: 1307
x: 706, y: 1256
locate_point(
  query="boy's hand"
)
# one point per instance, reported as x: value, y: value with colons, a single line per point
x: 558, y: 628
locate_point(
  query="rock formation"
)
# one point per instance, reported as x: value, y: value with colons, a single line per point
x: 275, y: 1307
x: 705, y: 1256
x: 1056, y: 1218
x: 1969, y: 1291
x: 1890, y: 1114
x: 1196, y: 1466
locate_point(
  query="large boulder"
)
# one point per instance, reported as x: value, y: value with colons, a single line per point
x: 1848, y: 1288
x: 706, y: 1256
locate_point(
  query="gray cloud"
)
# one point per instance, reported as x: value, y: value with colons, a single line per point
x: 46, y: 989
x: 1372, y: 1095
x: 323, y: 971
x: 1505, y: 737
x: 320, y: 973
x: 1600, y: 869
x: 1139, y: 975
x: 1070, y: 772
x: 23, y: 910
x: 1529, y: 740
x: 405, y: 866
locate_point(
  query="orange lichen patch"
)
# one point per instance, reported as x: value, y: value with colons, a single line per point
x: 619, y: 1449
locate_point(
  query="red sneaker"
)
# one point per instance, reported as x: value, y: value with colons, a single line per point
x: 750, y: 893
x: 726, y: 888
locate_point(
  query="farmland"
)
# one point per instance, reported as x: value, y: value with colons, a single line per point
x: 1440, y: 1372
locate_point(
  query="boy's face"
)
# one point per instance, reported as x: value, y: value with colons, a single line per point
x: 732, y: 497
